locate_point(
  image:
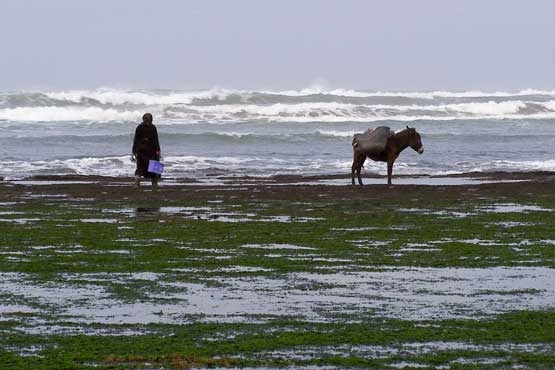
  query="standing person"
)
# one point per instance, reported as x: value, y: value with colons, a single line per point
x: 146, y: 147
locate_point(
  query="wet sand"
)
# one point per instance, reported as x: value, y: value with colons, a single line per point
x: 286, y: 186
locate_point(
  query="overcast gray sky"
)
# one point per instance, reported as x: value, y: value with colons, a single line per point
x: 253, y: 44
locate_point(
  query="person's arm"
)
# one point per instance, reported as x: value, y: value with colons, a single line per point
x: 156, y: 142
x: 134, y: 149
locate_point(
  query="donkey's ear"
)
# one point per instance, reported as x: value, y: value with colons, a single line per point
x: 408, y: 127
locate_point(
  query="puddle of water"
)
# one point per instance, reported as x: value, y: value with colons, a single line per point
x: 512, y: 208
x: 445, y: 213
x: 355, y: 228
x: 184, y: 209
x: 276, y: 246
x: 510, y: 224
x: 13, y: 253
x: 54, y: 197
x: 49, y: 182
x: 26, y: 351
x: 214, y: 215
x: 478, y: 241
x: 66, y: 251
x: 243, y: 269
x: 495, y: 208
x: 14, y: 308
x: 318, y: 259
x: 150, y: 276
x: 19, y: 220
x: 114, y: 251
x: 365, y: 243
x: 398, y: 292
x: 77, y: 330
x: 404, y: 364
x: 41, y: 247
x: 211, y: 250
x: 100, y: 220
x: 288, y: 219
x: 414, y: 249
x: 478, y: 361
x: 429, y: 181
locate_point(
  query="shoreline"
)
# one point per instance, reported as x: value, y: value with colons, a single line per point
x: 467, y: 178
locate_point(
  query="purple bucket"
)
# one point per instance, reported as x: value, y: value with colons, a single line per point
x: 155, y: 167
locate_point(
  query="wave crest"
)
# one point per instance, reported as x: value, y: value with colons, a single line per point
x: 46, y: 114
x: 306, y: 105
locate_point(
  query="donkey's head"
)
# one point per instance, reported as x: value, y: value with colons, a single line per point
x: 415, y: 142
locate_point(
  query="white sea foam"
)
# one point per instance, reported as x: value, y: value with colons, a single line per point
x: 408, y: 118
x: 175, y: 166
x: 506, y: 165
x: 410, y: 94
x: 549, y: 105
x: 185, y: 166
x: 333, y: 133
x: 108, y: 166
x: 489, y: 108
x: 335, y: 108
x: 44, y: 114
x: 169, y: 97
x: 348, y: 112
x: 121, y: 97
x: 169, y: 111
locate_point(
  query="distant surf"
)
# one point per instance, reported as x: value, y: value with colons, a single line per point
x: 309, y: 105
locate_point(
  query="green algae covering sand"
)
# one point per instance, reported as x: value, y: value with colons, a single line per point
x: 97, y: 275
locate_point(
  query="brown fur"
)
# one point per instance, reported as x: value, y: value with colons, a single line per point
x: 395, y: 145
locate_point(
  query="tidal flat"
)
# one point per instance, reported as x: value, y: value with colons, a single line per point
x: 280, y: 273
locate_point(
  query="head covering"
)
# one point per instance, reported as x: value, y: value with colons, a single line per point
x: 147, y: 118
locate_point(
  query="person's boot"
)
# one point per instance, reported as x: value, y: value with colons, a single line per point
x: 154, y: 184
x: 137, y: 182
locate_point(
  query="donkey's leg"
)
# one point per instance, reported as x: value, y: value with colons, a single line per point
x: 389, y: 170
x: 361, y: 160
x: 356, y: 158
x: 354, y: 166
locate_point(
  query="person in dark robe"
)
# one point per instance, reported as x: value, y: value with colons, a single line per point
x: 146, y: 147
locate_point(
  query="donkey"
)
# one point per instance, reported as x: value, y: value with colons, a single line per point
x: 396, y: 143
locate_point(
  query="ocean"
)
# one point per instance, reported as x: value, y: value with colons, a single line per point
x: 262, y: 133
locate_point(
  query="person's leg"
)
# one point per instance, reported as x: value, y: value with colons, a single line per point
x: 137, y: 182
x: 154, y: 183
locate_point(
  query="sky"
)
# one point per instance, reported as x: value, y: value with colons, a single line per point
x: 287, y: 44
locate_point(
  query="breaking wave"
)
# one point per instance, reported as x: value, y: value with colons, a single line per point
x: 118, y: 97
x: 168, y: 111
x: 47, y: 114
